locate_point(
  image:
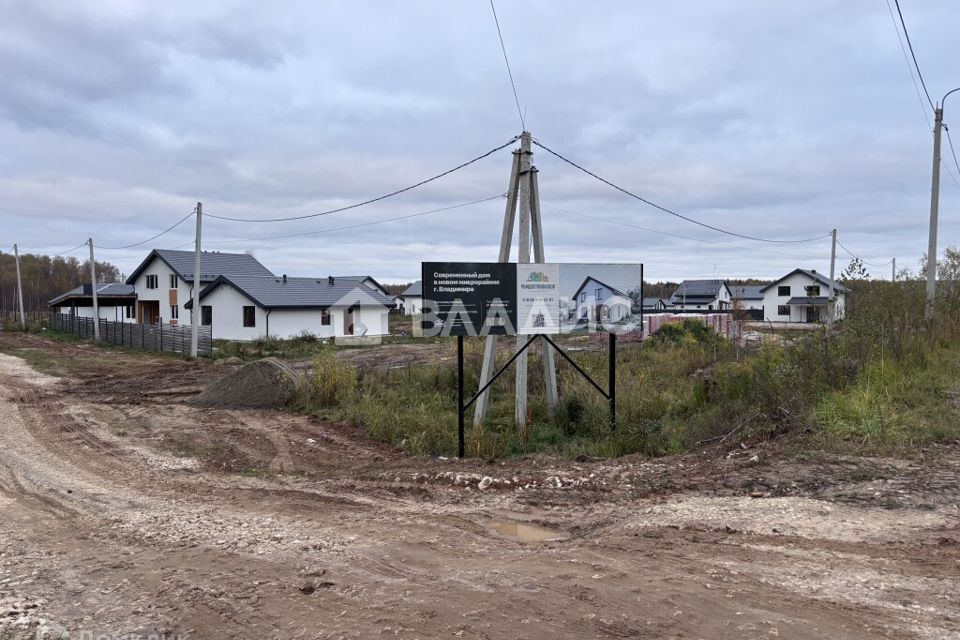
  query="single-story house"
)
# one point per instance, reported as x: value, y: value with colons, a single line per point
x: 115, y: 302
x: 599, y: 302
x: 164, y: 280
x: 803, y: 296
x: 655, y: 304
x: 748, y: 297
x: 411, y: 300
x: 250, y: 307
x: 701, y: 295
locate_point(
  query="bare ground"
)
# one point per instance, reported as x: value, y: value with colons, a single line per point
x: 126, y: 513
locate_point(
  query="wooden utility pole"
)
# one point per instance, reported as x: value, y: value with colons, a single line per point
x: 523, y: 185
x: 93, y: 292
x: 195, y: 315
x: 23, y: 316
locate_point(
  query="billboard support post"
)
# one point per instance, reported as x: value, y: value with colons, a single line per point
x: 612, y: 379
x: 460, y: 408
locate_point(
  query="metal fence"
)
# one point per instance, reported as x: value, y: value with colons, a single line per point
x: 150, y: 337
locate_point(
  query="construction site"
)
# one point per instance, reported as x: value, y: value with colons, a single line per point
x: 130, y: 512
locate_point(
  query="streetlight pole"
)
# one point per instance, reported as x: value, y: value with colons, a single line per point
x: 934, y: 208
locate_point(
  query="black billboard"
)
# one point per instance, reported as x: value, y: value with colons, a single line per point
x: 469, y: 298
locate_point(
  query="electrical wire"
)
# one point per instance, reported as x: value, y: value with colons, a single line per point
x: 953, y: 152
x: 371, y: 200
x: 669, y: 211
x: 151, y: 238
x: 869, y: 264
x: 355, y: 226
x: 513, y: 84
x: 906, y: 59
x: 913, y: 55
x: 62, y: 253
x: 677, y: 235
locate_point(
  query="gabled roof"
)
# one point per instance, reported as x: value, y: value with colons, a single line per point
x: 652, y: 302
x: 698, y: 289
x: 602, y: 284
x: 365, y: 279
x: 299, y: 293
x: 416, y: 289
x: 813, y: 275
x: 109, y: 290
x: 747, y: 291
x: 212, y: 265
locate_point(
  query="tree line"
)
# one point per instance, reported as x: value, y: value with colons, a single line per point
x: 45, y: 277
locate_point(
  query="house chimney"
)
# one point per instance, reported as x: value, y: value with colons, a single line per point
x: 330, y: 280
x: 284, y: 278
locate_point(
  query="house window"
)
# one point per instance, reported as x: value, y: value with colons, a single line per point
x: 783, y: 291
x: 325, y: 318
x: 599, y: 294
x: 583, y: 313
x: 174, y: 312
x: 813, y: 290
x: 129, y: 312
x: 783, y: 310
x: 173, y: 281
x: 153, y: 282
x: 206, y: 315
x: 583, y: 297
x: 249, y: 316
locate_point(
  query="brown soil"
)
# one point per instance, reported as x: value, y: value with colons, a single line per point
x: 264, y: 384
x: 125, y: 512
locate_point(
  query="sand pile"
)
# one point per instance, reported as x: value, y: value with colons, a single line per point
x: 262, y: 384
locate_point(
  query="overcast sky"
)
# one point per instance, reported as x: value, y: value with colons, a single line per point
x: 775, y: 119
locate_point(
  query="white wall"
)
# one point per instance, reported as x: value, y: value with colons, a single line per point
x: 227, y: 310
x: 412, y: 305
x: 160, y: 269
x: 106, y: 312
x: 798, y: 313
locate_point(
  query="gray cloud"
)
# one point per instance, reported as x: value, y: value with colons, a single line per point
x: 780, y: 120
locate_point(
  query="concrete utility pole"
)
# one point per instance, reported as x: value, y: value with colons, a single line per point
x: 195, y: 315
x: 833, y: 266
x: 935, y: 207
x: 893, y: 271
x: 934, y: 212
x: 93, y: 285
x: 23, y: 317
x: 523, y: 257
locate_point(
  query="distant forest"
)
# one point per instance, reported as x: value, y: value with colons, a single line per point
x: 45, y: 278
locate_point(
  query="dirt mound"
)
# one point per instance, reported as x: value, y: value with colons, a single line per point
x: 262, y: 384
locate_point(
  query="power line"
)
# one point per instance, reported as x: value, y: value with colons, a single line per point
x: 870, y: 264
x: 669, y: 211
x: 913, y: 55
x: 676, y: 235
x: 509, y: 72
x: 953, y: 152
x: 360, y: 224
x: 62, y: 253
x: 372, y: 200
x: 154, y: 237
x: 906, y: 59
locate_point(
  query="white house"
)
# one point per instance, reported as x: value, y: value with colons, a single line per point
x: 412, y: 299
x: 164, y: 280
x: 747, y: 297
x: 701, y: 295
x: 655, y: 304
x: 250, y: 307
x: 802, y: 296
x: 599, y: 302
x: 115, y: 302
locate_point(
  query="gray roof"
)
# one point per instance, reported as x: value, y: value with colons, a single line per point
x: 816, y: 300
x: 747, y: 291
x: 416, y: 289
x: 212, y: 264
x: 108, y: 290
x: 694, y: 289
x: 300, y: 293
x: 652, y: 302
x: 813, y: 275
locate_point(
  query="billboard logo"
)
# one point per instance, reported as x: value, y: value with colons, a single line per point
x: 538, y: 276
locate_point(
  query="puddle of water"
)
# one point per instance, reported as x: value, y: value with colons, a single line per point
x: 523, y: 532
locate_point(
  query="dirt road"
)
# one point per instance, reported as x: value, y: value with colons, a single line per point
x: 126, y: 513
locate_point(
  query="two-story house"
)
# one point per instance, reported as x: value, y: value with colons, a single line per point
x: 599, y: 302
x: 803, y: 296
